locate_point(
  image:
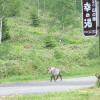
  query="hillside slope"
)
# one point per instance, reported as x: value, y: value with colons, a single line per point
x: 31, y: 50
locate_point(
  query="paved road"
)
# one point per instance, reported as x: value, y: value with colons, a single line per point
x: 46, y: 86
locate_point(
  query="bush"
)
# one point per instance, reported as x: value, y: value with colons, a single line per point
x: 36, y: 32
x: 50, y: 42
x: 5, y: 30
x: 34, y: 18
x: 18, y: 48
x: 70, y: 40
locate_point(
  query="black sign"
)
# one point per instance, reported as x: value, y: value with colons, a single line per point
x: 89, y: 17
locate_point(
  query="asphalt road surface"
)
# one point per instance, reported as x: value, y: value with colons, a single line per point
x: 46, y: 86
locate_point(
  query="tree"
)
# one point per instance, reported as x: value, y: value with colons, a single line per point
x: 34, y: 17
x: 3, y: 23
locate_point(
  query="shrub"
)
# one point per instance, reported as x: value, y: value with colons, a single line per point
x: 14, y: 70
x: 34, y: 18
x: 5, y: 30
x: 50, y: 42
x: 71, y: 40
x: 36, y: 32
x: 18, y: 48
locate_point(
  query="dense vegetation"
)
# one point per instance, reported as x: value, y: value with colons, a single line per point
x: 34, y: 40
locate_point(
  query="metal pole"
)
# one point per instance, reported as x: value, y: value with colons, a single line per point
x: 38, y: 8
x: 98, y: 20
x: 44, y: 5
x: 99, y: 27
x: 63, y: 27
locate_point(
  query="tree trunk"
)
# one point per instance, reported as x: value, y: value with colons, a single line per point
x: 0, y: 29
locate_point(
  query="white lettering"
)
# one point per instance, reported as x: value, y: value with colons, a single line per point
x: 87, y: 7
x: 88, y: 23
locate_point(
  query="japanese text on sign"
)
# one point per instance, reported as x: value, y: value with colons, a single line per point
x: 89, y: 17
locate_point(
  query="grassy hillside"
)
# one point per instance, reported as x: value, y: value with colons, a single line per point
x: 31, y: 50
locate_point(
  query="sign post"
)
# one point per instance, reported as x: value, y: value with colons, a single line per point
x: 89, y: 17
x: 99, y: 24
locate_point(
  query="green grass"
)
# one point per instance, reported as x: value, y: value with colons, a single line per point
x: 26, y: 56
x: 75, y: 71
x: 92, y: 93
